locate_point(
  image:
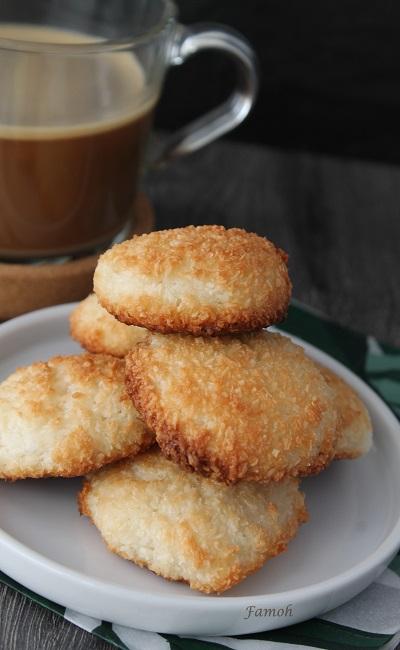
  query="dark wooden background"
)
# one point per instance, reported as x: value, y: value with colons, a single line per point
x: 314, y: 168
x: 329, y: 71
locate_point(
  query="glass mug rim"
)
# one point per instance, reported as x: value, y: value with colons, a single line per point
x: 103, y: 45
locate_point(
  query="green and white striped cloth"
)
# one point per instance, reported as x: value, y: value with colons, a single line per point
x: 371, y: 619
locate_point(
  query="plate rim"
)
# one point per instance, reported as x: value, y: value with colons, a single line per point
x: 379, y: 557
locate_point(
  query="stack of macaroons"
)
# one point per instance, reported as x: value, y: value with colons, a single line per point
x: 238, y: 413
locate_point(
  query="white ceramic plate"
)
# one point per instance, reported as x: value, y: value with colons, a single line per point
x: 353, y: 533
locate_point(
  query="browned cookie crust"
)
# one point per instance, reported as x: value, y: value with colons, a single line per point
x: 97, y: 331
x: 204, y: 280
x: 66, y: 417
x: 254, y: 408
x: 354, y: 423
x: 185, y: 527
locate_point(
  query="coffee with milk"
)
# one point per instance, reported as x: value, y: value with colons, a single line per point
x: 72, y: 134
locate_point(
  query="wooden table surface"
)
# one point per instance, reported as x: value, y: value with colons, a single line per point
x: 339, y: 220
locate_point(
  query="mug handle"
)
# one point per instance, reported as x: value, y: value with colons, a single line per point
x: 226, y: 116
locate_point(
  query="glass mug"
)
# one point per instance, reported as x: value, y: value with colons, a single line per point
x: 79, y: 84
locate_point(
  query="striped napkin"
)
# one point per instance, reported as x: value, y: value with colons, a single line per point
x: 371, y: 619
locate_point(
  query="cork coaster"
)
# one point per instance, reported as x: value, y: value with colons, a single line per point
x: 24, y: 287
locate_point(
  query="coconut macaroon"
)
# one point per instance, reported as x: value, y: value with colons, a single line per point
x: 186, y: 527
x: 99, y: 332
x: 354, y: 423
x: 203, y: 280
x: 67, y: 416
x: 253, y: 407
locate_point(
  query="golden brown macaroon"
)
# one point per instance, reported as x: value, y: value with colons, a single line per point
x: 354, y: 423
x: 253, y: 408
x: 99, y: 332
x: 203, y: 280
x: 66, y: 417
x: 186, y: 527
